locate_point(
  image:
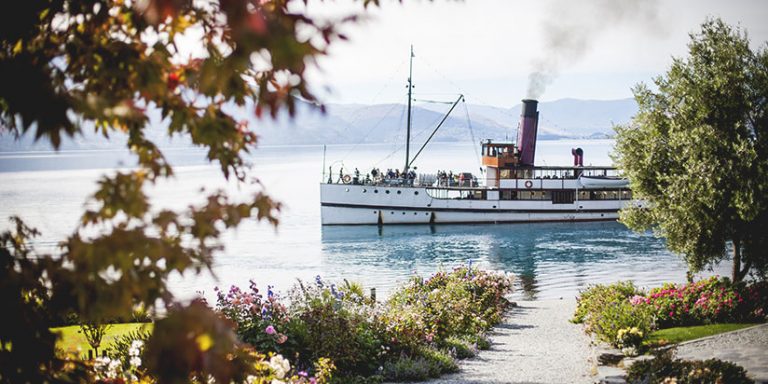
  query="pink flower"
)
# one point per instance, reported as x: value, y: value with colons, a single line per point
x: 270, y: 330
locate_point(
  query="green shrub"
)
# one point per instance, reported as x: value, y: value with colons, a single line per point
x: 338, y: 324
x: 482, y: 341
x: 664, y: 368
x: 459, y: 348
x: 405, y: 327
x: 606, y: 310
x: 618, y: 317
x: 427, y: 363
x: 460, y: 303
x: 597, y: 297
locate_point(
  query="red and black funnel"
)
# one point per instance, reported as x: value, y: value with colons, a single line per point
x: 526, y: 135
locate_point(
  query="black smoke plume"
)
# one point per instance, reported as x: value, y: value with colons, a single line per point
x: 571, y: 26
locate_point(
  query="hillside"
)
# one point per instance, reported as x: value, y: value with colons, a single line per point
x: 381, y: 123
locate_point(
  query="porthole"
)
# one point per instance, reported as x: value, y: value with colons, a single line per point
x: 365, y: 190
x: 387, y: 191
x: 375, y: 212
x: 403, y: 213
x: 375, y: 191
x: 416, y: 192
x: 414, y: 213
x: 392, y: 213
x: 399, y: 192
x: 429, y: 205
x: 494, y: 206
x: 426, y: 213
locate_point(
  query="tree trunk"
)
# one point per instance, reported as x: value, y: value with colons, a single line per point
x: 736, y: 273
x: 745, y: 270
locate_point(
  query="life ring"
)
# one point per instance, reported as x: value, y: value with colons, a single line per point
x: 528, y: 184
x: 346, y: 179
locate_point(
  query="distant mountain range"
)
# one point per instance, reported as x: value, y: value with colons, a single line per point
x: 382, y: 123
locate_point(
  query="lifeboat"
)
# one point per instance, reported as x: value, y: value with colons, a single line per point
x: 603, y: 182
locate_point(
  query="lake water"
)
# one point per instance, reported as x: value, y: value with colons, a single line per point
x: 49, y: 191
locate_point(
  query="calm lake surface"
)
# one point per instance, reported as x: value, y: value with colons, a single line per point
x: 49, y: 191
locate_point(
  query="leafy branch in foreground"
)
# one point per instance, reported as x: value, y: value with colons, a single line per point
x: 112, y: 66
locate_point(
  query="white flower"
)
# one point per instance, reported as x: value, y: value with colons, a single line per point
x: 101, y: 362
x: 276, y: 381
x: 135, y: 361
x: 114, y: 365
x: 280, y: 365
x: 135, y: 349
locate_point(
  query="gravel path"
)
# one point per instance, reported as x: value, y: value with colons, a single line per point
x: 536, y: 344
x: 746, y: 347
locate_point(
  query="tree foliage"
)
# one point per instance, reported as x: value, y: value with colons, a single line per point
x: 697, y: 152
x: 71, y: 65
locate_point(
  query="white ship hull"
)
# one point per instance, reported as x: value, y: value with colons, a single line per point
x: 367, y: 204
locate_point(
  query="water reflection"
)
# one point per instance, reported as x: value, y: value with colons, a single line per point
x: 550, y: 260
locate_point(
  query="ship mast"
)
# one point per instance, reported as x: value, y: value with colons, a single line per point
x: 408, y: 125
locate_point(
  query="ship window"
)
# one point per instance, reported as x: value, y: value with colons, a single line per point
x: 375, y: 191
x: 387, y: 191
x: 508, y: 195
x: 414, y: 213
x: 392, y: 212
x: 563, y: 197
x: 375, y: 212
x: 403, y: 213
x: 416, y: 192
x: 398, y: 192
x: 365, y: 190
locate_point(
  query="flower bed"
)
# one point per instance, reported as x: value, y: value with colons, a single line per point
x: 414, y: 335
x: 623, y: 316
x: 707, y: 301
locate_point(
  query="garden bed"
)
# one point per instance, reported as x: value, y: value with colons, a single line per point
x: 324, y: 332
x: 636, y: 322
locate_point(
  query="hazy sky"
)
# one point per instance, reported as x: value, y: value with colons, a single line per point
x: 486, y: 49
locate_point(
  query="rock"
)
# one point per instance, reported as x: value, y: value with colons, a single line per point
x: 609, y: 356
x: 626, y: 363
x: 610, y: 375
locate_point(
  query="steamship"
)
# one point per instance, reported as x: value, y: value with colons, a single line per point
x: 510, y: 190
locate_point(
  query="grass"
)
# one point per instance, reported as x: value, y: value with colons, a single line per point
x: 681, y: 334
x: 72, y: 340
